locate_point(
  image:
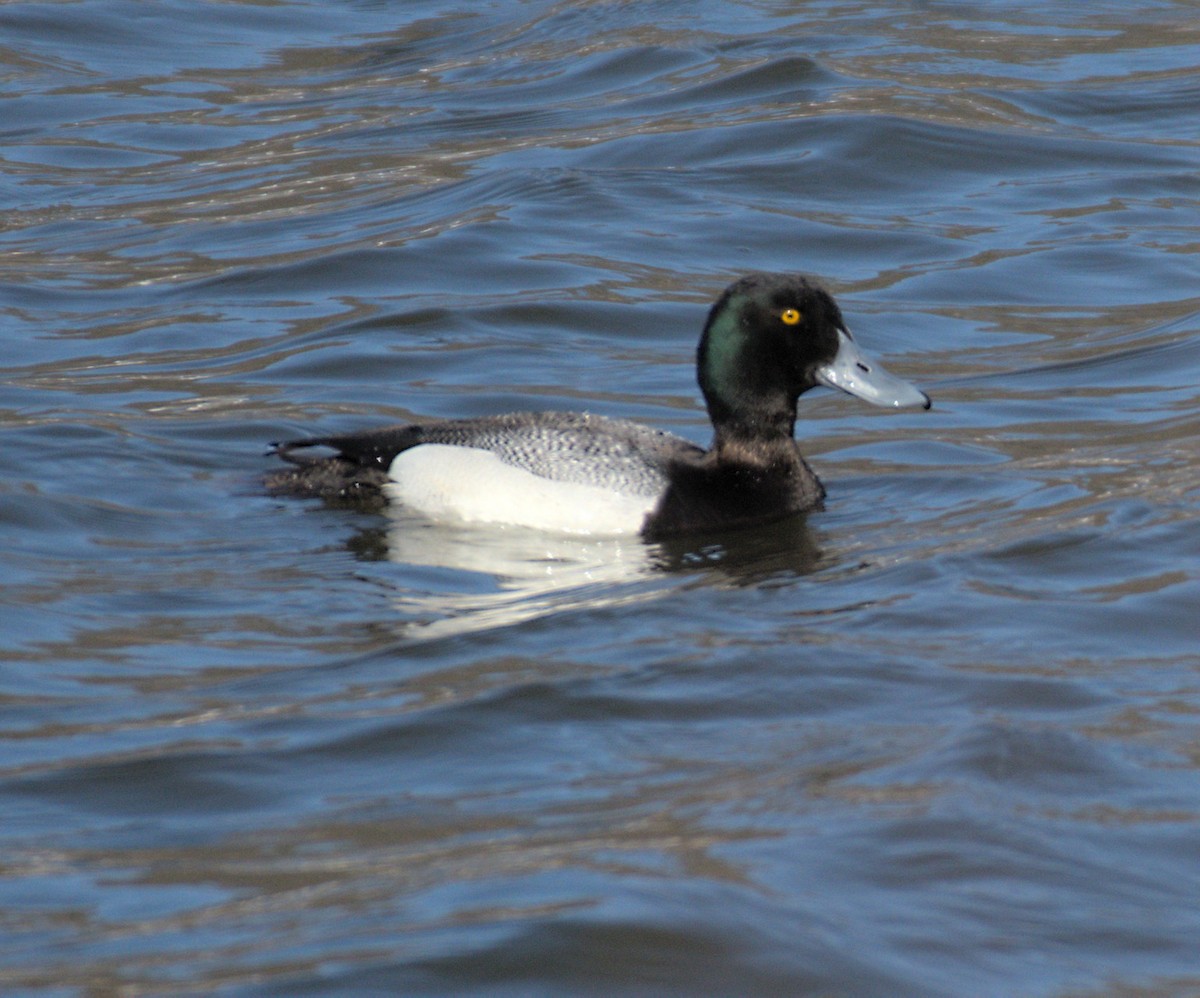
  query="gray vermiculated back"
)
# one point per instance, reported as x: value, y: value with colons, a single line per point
x: 572, y: 447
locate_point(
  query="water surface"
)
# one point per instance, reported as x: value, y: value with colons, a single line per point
x: 938, y: 739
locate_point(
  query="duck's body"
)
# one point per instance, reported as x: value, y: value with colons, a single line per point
x: 768, y: 339
x: 555, y: 470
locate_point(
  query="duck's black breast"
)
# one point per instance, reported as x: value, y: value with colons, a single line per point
x: 734, y: 487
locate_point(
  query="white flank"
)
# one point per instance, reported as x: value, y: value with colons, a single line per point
x: 463, y: 483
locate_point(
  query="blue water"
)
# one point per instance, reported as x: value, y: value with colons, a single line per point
x: 937, y: 739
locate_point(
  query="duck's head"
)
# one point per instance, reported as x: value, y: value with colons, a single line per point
x: 771, y: 337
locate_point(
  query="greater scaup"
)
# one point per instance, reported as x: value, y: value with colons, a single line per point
x: 768, y: 339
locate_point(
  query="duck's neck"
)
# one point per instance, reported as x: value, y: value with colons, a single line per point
x: 761, y: 445
x: 759, y: 421
x: 753, y: 412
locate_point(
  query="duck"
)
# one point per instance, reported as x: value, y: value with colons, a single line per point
x: 768, y: 339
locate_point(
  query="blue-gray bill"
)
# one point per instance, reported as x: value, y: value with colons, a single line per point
x: 851, y: 371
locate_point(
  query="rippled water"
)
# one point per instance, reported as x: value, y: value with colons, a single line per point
x: 939, y: 739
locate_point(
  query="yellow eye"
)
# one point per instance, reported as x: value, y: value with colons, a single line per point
x: 789, y: 316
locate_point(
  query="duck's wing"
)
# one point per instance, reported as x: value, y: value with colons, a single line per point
x: 619, y: 455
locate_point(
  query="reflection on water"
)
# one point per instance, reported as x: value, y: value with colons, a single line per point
x: 461, y: 578
x: 478, y: 577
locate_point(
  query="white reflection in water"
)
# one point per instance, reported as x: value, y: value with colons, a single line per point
x: 462, y: 578
x: 469, y: 577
